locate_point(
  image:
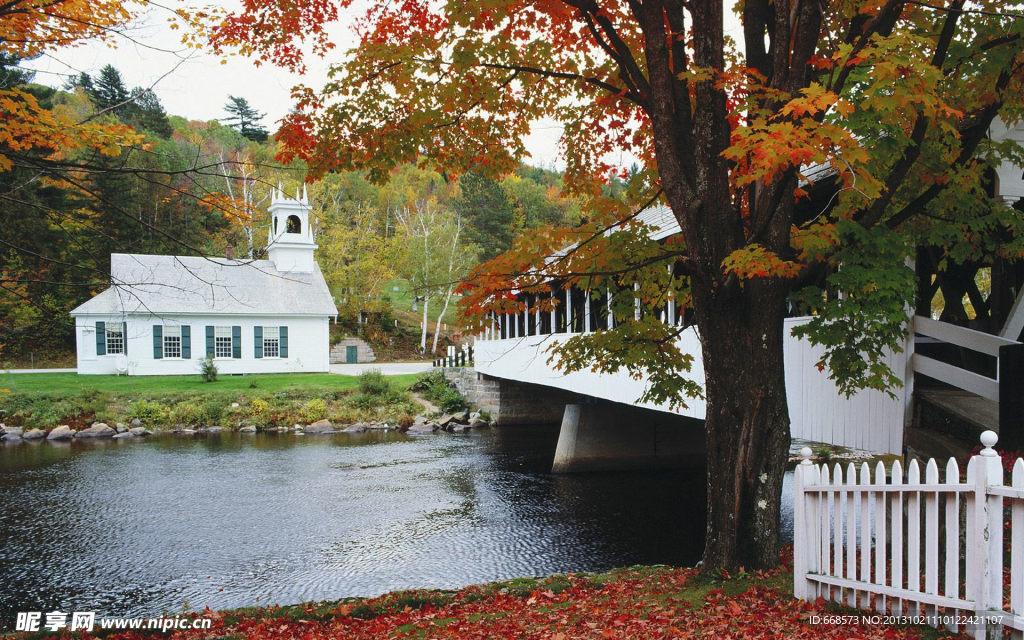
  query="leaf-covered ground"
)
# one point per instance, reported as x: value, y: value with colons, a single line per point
x: 641, y: 602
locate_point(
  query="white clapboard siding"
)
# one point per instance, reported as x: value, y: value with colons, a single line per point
x: 893, y: 544
x: 868, y: 420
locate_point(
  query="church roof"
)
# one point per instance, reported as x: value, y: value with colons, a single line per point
x: 183, y: 284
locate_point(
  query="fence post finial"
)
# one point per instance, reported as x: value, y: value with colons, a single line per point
x: 806, y: 454
x: 989, y: 440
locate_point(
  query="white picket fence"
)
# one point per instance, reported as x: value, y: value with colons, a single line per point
x: 931, y: 550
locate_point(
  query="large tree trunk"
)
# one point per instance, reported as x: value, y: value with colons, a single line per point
x: 747, y: 427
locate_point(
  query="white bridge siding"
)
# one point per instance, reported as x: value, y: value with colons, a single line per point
x: 869, y: 420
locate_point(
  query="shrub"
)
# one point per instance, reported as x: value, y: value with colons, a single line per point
x: 364, y: 401
x: 207, y: 369
x: 313, y: 410
x: 343, y: 417
x: 258, y: 407
x: 373, y: 383
x: 213, y: 411
x: 448, y: 400
x: 187, y: 412
x: 436, y: 388
x: 428, y: 379
x: 150, y: 412
x: 49, y: 414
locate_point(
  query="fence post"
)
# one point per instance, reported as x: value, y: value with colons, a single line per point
x: 804, y: 527
x: 985, y: 575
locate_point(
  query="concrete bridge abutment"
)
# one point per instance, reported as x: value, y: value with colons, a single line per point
x: 608, y: 436
x: 595, y: 434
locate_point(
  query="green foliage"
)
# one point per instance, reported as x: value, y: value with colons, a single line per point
x: 150, y: 412
x: 870, y: 317
x: 486, y: 207
x: 197, y: 412
x: 373, y: 383
x: 213, y: 411
x: 436, y: 388
x: 208, y: 369
x: 188, y: 412
x: 428, y: 379
x: 313, y: 410
x: 245, y: 119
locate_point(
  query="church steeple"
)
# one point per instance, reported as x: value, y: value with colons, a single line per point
x: 290, y: 240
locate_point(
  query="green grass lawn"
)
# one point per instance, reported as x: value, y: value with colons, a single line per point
x: 73, y: 384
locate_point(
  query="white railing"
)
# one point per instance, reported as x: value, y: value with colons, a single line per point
x: 962, y: 337
x: 900, y: 546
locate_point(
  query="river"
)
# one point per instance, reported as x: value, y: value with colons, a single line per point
x: 141, y: 528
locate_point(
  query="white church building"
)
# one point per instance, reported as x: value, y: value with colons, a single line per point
x: 163, y: 314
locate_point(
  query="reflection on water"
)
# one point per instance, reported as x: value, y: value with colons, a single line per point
x: 142, y: 528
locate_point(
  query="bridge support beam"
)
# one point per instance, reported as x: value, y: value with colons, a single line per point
x: 607, y: 436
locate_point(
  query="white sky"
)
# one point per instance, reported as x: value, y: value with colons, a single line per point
x: 198, y: 87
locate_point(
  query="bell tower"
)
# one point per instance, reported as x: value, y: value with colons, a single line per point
x: 290, y: 243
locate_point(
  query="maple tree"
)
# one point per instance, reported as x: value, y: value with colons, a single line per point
x: 29, y: 28
x: 890, y: 98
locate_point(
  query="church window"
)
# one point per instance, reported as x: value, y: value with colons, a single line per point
x: 293, y: 225
x: 271, y: 342
x: 115, y: 338
x: 172, y: 342
x: 222, y: 342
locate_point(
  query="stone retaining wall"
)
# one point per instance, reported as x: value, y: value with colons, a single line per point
x: 509, y: 402
x: 364, y: 352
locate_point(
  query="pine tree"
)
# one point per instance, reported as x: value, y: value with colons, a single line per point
x: 486, y: 207
x: 145, y: 113
x: 107, y: 91
x: 246, y: 119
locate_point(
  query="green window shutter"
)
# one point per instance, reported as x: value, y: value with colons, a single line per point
x: 186, y: 342
x: 124, y: 337
x: 284, y: 341
x: 236, y: 342
x: 209, y: 341
x: 158, y: 341
x: 257, y: 336
x: 101, y: 338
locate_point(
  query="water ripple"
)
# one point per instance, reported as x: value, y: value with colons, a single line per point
x: 225, y: 521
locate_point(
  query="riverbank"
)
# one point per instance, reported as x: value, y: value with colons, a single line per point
x: 268, y: 401
x: 638, y: 602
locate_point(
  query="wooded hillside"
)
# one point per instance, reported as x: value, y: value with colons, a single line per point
x: 194, y: 188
